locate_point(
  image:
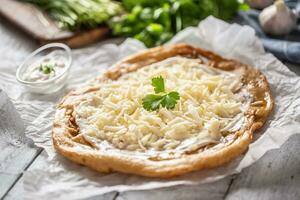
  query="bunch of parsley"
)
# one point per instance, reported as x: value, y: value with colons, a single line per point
x: 155, y: 22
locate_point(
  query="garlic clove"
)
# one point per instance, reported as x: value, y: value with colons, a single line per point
x: 259, y: 4
x: 277, y: 19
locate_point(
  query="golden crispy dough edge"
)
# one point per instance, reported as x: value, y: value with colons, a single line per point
x: 69, y: 142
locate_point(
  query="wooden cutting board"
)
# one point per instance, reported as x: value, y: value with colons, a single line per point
x: 41, y: 27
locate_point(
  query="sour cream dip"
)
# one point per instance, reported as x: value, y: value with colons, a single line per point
x: 47, y: 67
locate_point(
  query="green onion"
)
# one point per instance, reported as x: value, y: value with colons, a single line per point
x: 79, y: 14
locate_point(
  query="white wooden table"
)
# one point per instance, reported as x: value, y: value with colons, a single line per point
x: 275, y: 176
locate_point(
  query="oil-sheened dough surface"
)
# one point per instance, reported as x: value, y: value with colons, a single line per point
x: 222, y: 102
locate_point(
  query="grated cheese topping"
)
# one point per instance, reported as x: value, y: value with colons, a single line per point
x: 207, y: 110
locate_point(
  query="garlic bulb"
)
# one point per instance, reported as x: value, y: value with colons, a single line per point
x: 277, y: 19
x: 260, y: 4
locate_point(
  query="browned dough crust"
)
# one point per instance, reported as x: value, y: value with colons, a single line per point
x: 69, y: 142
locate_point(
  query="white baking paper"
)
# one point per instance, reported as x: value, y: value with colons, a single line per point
x: 58, y: 178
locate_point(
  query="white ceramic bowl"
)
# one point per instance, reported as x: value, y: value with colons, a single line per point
x: 51, y: 85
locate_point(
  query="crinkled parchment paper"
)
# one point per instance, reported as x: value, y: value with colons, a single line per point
x: 58, y: 178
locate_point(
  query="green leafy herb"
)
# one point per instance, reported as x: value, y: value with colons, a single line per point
x: 158, y: 84
x: 153, y: 102
x: 170, y: 100
x: 155, y: 22
x: 79, y: 14
x: 46, y: 68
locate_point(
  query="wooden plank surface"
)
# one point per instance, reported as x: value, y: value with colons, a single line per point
x: 41, y: 26
x: 16, y: 152
x: 276, y: 176
x: 38, y: 25
x: 211, y: 191
x: 16, y: 192
x: 14, y: 161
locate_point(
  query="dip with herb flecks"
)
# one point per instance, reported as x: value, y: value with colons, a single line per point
x: 46, y: 68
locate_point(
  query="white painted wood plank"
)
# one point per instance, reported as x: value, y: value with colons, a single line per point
x: 214, y: 191
x: 16, y: 151
x: 16, y: 192
x: 19, y: 158
x: 6, y: 182
x: 211, y: 191
x: 275, y: 176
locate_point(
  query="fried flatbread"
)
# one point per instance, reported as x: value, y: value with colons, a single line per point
x: 69, y: 141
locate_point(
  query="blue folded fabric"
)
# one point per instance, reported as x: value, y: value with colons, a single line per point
x: 286, y: 48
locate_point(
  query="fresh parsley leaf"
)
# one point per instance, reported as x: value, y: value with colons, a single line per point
x: 46, y: 68
x: 170, y: 100
x: 158, y: 84
x: 153, y: 102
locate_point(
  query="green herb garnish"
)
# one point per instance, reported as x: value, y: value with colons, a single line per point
x: 158, y: 84
x: 46, y: 68
x: 153, y: 102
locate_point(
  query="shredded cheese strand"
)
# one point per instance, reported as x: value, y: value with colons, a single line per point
x: 206, y: 106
